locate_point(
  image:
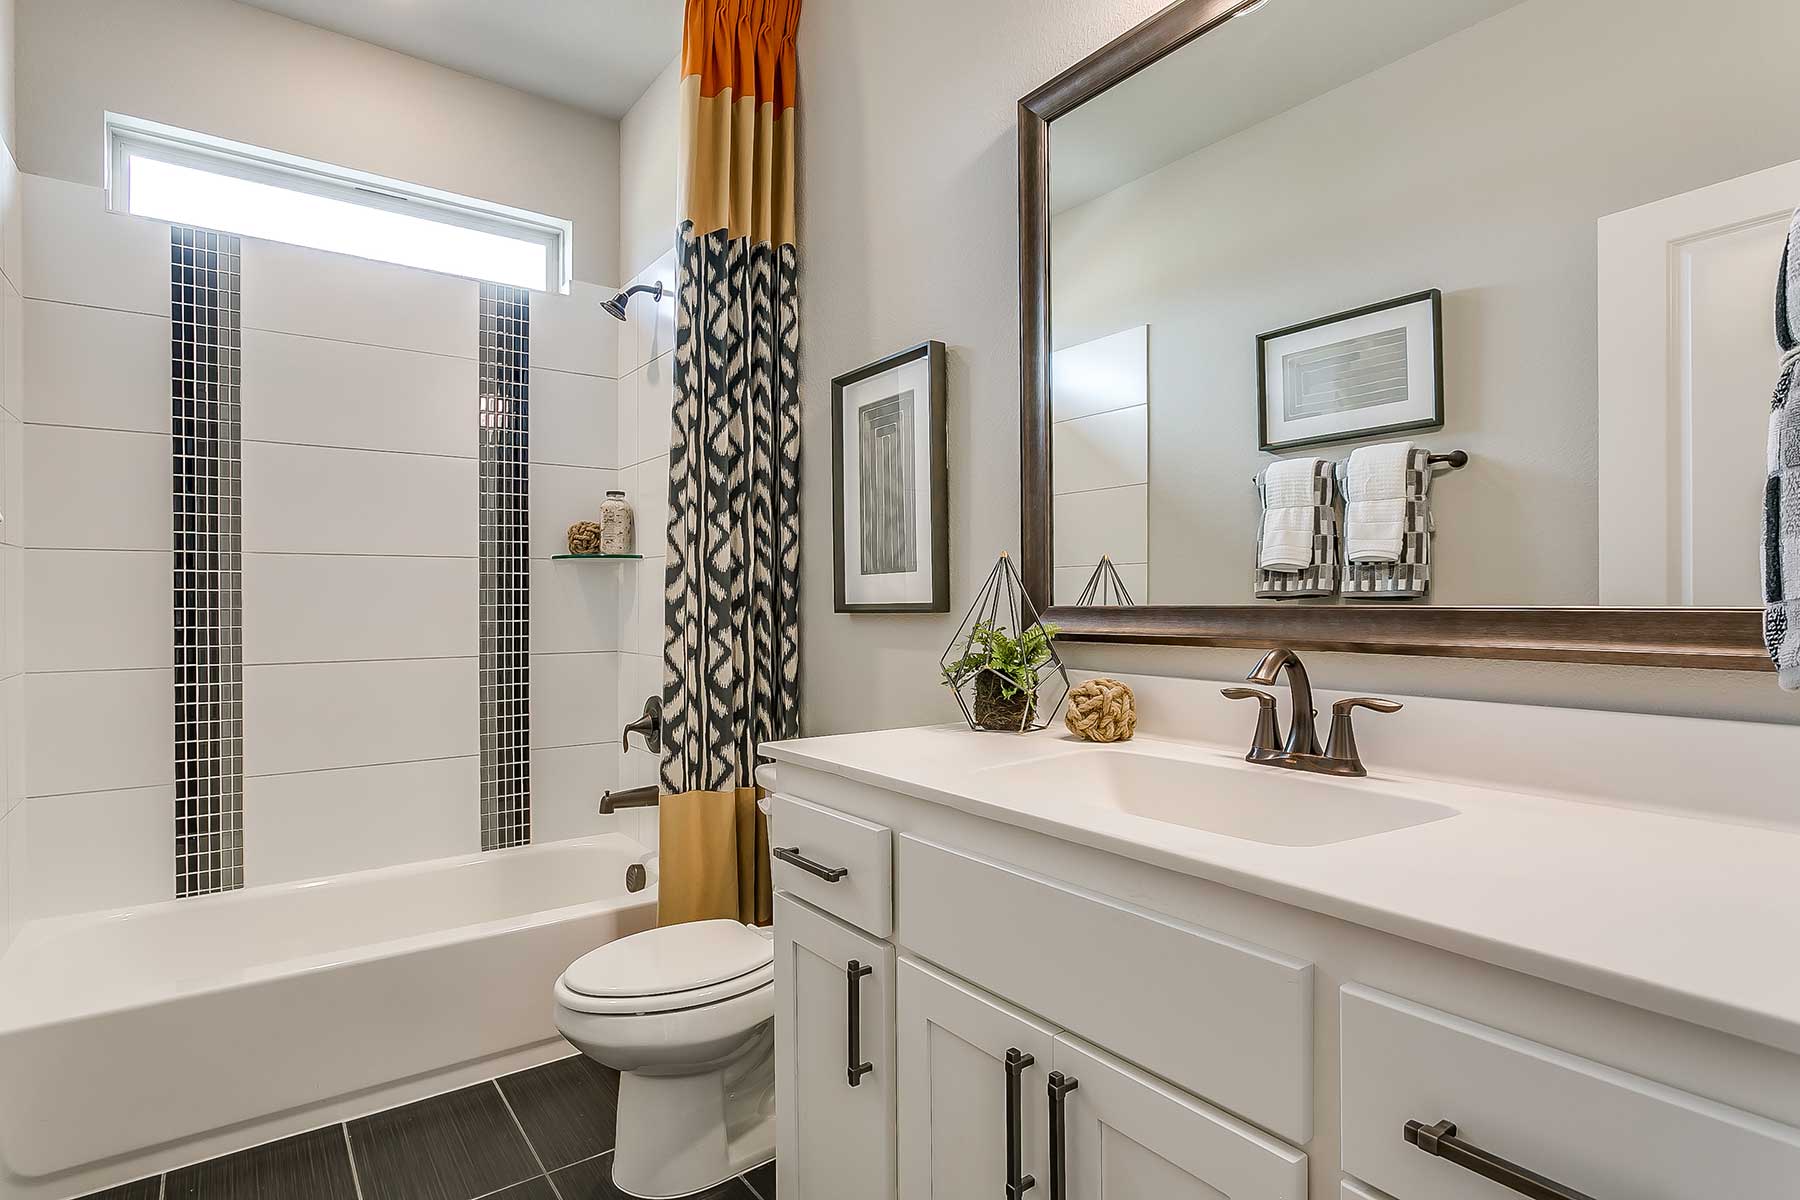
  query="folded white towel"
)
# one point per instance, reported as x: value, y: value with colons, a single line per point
x: 1288, y: 519
x: 1375, y: 503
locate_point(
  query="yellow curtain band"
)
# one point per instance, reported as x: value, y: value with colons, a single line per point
x: 737, y: 166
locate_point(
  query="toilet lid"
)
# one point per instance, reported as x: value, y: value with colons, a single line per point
x: 675, y: 958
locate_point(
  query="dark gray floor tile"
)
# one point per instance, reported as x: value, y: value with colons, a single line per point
x: 143, y: 1189
x: 568, y: 1108
x: 762, y: 1181
x: 452, y: 1147
x: 592, y: 1180
x: 308, y: 1166
x: 531, y: 1189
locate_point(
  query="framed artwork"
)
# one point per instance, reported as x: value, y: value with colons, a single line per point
x: 1363, y: 373
x: 890, y: 500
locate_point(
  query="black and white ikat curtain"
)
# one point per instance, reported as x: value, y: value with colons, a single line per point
x: 731, y: 668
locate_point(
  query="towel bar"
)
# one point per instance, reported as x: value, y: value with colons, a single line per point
x: 1456, y: 460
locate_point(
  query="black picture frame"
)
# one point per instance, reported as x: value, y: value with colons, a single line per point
x: 937, y: 478
x: 1435, y: 421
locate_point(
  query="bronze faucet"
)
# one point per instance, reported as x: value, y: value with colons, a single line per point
x: 1302, y: 752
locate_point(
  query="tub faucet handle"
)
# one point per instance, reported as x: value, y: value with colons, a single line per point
x: 648, y: 727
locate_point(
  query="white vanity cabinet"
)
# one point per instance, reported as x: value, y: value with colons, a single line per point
x: 835, y: 1066
x: 1003, y: 982
x: 973, y: 1112
x: 1181, y: 1015
x: 1534, y: 1111
x: 994, y: 1102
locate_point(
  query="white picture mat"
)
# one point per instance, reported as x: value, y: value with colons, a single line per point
x: 1421, y: 375
x: 908, y: 587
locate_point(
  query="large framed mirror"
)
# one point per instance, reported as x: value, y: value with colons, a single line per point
x: 1410, y: 326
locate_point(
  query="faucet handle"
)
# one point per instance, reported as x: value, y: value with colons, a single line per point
x: 1342, y: 745
x: 1268, y: 736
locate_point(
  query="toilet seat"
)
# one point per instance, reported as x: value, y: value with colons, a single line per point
x: 669, y: 969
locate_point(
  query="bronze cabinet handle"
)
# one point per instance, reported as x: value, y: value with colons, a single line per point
x: 1440, y: 1141
x: 855, y: 1067
x: 1017, y: 1182
x: 1060, y: 1086
x: 792, y: 856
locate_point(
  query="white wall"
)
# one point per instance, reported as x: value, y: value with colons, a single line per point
x: 1490, y: 192
x: 359, y: 575
x: 12, y: 487
x: 360, y: 471
x: 228, y: 69
x: 908, y: 231
x: 649, y: 136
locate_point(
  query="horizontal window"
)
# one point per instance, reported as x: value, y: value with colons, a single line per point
x: 188, y: 178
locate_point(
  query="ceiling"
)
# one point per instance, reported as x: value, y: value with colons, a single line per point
x: 598, y: 55
x: 1264, y: 61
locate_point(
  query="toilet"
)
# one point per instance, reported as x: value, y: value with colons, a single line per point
x: 686, y: 1015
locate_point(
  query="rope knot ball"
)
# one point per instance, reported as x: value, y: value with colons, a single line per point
x: 1101, y: 710
x: 584, y: 537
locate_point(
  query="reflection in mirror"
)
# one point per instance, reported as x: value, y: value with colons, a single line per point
x: 1324, y: 242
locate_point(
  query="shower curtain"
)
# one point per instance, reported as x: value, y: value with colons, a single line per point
x: 732, y: 603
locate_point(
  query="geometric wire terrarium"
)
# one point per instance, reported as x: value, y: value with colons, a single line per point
x: 1002, y: 658
x: 1104, y: 588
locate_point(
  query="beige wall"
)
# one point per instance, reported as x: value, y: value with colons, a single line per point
x: 648, y: 135
x: 908, y: 168
x: 238, y: 72
x: 1490, y: 192
x: 12, y: 491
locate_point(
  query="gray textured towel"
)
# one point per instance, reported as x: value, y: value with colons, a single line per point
x: 1781, y: 499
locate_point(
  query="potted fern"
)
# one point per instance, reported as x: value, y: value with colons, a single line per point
x: 1004, y: 668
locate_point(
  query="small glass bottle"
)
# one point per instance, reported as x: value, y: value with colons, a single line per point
x: 616, y: 534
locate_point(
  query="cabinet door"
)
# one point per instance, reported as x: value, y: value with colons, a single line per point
x: 834, y: 1138
x: 955, y: 1119
x: 1128, y: 1136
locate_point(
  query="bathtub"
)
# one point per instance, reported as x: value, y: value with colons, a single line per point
x: 142, y: 1038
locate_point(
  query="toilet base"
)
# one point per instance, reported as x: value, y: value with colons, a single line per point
x: 681, y: 1134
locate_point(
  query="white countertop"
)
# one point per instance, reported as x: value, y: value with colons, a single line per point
x: 1691, y: 917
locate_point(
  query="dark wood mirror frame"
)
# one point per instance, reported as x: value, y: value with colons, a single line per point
x: 1717, y: 638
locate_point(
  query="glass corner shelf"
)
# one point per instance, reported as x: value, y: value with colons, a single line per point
x: 602, y: 556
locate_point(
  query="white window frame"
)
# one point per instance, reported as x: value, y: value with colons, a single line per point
x: 127, y: 137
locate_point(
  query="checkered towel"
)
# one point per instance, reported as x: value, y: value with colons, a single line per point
x: 1781, y: 507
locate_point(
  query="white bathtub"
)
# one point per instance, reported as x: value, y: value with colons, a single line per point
x: 152, y: 1036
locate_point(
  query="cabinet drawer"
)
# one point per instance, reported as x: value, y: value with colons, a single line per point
x: 1228, y: 1021
x: 1588, y: 1127
x: 834, y: 842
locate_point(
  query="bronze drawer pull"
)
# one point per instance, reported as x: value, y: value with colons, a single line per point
x: 1440, y: 1141
x: 792, y: 856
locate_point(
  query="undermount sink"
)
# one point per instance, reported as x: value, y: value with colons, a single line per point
x: 1258, y: 804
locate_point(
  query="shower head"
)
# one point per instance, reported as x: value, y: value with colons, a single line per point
x: 615, y: 308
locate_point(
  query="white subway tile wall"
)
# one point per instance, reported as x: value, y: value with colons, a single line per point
x: 12, y: 553
x: 576, y: 609
x: 646, y: 395
x: 360, y: 566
